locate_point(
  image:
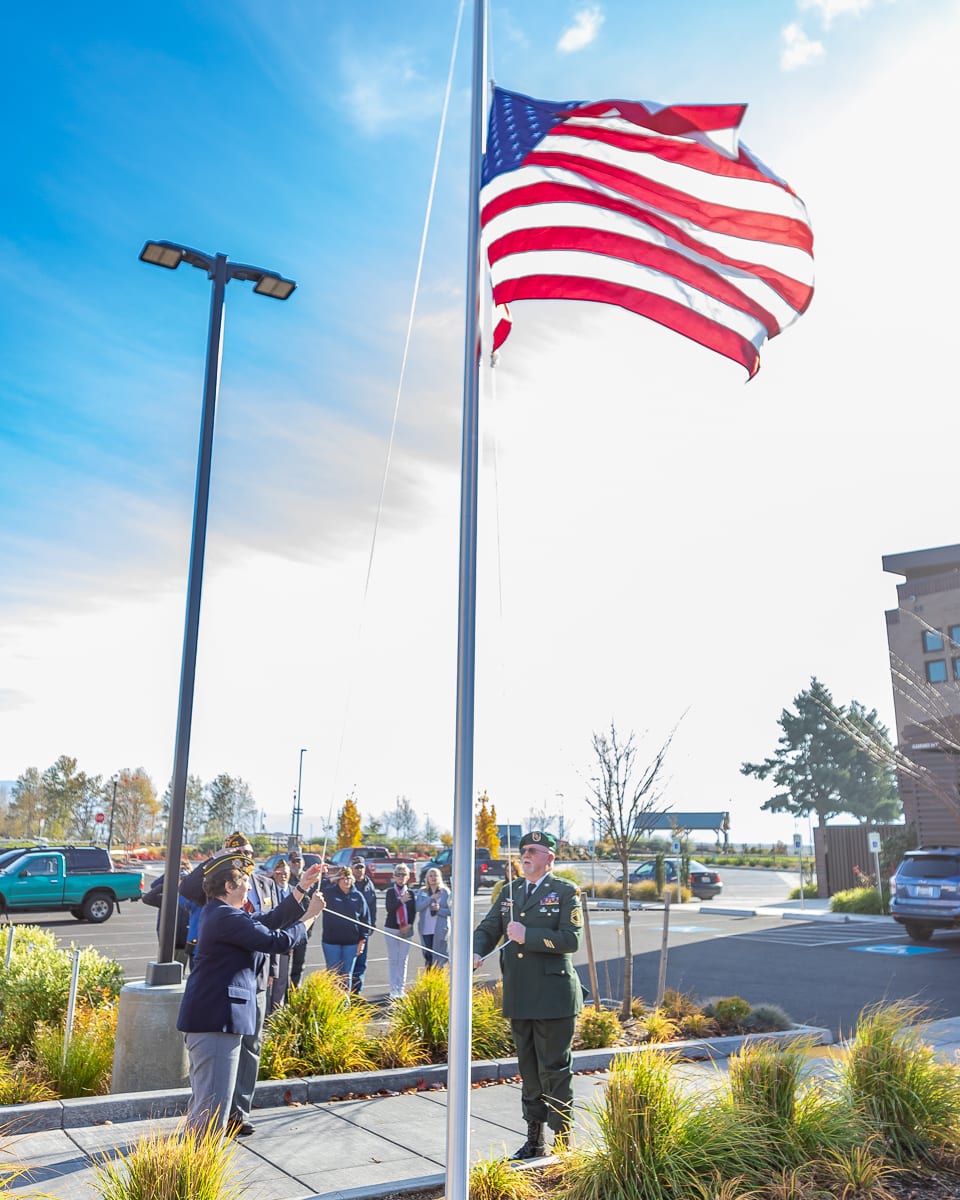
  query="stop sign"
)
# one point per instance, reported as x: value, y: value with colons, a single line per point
x: 99, y: 818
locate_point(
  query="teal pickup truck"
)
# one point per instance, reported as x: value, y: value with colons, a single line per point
x: 78, y: 880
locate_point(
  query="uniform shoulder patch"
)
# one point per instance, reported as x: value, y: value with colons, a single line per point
x: 576, y: 917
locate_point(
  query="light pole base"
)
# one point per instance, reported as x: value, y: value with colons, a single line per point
x: 161, y: 974
x: 149, y: 1053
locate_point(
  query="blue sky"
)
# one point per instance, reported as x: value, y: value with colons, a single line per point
x: 656, y: 537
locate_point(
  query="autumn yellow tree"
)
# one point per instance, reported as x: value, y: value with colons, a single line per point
x: 348, y: 825
x: 487, y: 827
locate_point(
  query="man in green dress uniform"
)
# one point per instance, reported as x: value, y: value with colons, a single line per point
x: 540, y: 919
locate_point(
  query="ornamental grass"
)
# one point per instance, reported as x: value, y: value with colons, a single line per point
x: 187, y: 1165
x: 908, y: 1098
x: 321, y: 1030
x: 87, y: 1066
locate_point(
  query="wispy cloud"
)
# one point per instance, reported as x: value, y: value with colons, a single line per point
x: 586, y: 25
x: 11, y: 700
x: 798, y: 50
x: 387, y: 91
x: 829, y: 10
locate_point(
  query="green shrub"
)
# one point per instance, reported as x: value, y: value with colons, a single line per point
x: 767, y: 1018
x: 810, y: 892
x: 37, y: 983
x: 856, y: 900
x: 321, y: 1030
x: 598, y: 1027
x: 730, y: 1012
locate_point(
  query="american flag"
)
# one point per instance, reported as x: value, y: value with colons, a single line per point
x: 661, y: 210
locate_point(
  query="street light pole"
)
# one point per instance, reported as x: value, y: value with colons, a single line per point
x: 220, y: 271
x: 113, y: 809
x: 298, y: 807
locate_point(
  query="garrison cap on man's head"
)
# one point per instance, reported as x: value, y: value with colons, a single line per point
x: 538, y: 837
x: 237, y: 841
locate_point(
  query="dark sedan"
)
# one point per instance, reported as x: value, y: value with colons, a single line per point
x: 705, y: 883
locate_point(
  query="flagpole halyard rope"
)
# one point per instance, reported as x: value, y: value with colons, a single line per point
x: 396, y: 407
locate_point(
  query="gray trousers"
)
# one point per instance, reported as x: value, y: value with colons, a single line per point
x: 213, y: 1061
x: 249, y: 1065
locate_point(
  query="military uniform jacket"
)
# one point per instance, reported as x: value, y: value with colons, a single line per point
x: 539, y: 981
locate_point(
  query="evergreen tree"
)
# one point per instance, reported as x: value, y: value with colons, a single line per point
x: 829, y: 760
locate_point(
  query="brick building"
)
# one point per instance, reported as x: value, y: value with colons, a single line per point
x: 923, y: 634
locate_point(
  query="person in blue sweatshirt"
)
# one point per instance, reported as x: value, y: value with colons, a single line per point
x: 346, y: 924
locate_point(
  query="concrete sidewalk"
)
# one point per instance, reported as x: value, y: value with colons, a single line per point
x: 350, y: 1149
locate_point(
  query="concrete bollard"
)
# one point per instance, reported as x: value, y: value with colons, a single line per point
x: 149, y: 1054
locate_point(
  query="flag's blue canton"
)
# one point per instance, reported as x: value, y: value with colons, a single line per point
x: 517, y: 124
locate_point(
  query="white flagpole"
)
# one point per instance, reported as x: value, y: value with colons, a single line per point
x: 461, y: 948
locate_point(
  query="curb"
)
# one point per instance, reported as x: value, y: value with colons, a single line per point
x: 317, y: 1089
x: 797, y: 914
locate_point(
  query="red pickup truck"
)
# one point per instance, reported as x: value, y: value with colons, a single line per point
x: 381, y: 862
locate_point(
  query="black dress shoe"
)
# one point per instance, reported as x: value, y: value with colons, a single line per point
x: 240, y: 1128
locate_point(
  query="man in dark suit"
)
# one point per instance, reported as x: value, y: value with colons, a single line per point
x: 541, y: 920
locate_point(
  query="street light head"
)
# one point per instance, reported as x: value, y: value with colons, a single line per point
x: 275, y: 286
x: 162, y: 254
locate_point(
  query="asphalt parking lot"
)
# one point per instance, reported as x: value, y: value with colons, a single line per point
x: 821, y: 972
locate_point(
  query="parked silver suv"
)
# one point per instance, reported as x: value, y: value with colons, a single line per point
x: 925, y: 891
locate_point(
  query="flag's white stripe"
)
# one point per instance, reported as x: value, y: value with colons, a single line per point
x: 740, y: 194
x: 583, y: 265
x: 757, y: 195
x: 582, y: 216
x: 788, y: 260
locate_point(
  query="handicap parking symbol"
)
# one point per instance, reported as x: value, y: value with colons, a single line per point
x: 901, y: 950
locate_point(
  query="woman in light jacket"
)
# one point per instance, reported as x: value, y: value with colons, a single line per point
x: 433, y: 907
x: 401, y: 908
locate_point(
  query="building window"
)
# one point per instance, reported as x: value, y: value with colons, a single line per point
x: 953, y: 632
x: 932, y: 641
x: 956, y: 668
x: 936, y: 669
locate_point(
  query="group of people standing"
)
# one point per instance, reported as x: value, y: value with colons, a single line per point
x: 248, y: 924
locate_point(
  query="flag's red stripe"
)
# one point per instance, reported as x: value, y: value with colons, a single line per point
x: 665, y: 312
x: 719, y: 218
x: 794, y: 292
x: 675, y: 121
x: 629, y: 249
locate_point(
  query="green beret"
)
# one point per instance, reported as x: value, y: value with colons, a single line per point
x: 538, y: 837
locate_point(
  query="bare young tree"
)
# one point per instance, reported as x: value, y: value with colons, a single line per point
x: 622, y: 797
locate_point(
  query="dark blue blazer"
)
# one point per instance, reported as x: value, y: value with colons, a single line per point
x: 221, y: 991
